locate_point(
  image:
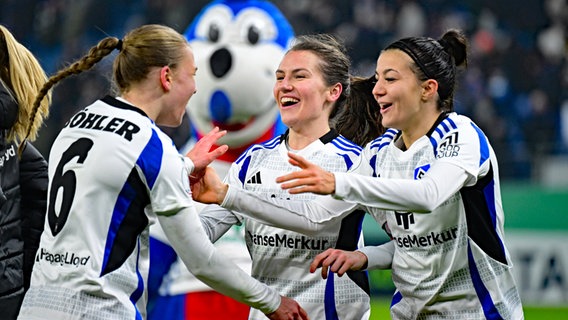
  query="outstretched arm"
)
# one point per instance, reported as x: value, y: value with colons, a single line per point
x: 307, y: 217
x: 188, y: 238
x: 440, y: 182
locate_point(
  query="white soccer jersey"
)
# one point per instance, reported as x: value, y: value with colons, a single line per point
x: 92, y: 262
x: 442, y: 203
x: 281, y: 258
x: 450, y: 263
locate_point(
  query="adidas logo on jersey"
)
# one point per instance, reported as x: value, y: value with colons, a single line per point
x: 255, y: 179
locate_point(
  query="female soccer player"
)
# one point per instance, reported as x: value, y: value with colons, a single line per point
x: 435, y: 186
x: 312, y: 85
x: 112, y: 172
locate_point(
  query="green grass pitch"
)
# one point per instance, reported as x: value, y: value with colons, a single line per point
x: 380, y: 311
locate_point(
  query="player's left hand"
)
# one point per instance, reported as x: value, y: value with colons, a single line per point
x: 201, y: 154
x: 311, y: 178
x: 338, y: 261
x: 209, y: 188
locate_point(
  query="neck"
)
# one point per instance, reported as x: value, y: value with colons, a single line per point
x: 420, y: 128
x: 143, y: 99
x: 298, y: 140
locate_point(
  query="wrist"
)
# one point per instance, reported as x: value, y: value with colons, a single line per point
x: 364, y: 260
x: 222, y: 193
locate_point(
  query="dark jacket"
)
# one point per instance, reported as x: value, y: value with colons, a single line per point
x: 23, y: 198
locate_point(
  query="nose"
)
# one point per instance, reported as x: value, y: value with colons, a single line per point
x: 378, y: 89
x: 283, y: 85
x: 221, y: 62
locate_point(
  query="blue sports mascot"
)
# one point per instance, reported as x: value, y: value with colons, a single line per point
x: 238, y: 46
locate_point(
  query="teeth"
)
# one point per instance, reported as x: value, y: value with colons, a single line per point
x: 288, y: 100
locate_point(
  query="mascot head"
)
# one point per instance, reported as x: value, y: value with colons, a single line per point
x: 238, y: 46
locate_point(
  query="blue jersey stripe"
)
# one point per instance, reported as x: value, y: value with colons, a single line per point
x: 244, y: 169
x: 348, y: 161
x: 489, y: 195
x: 489, y: 309
x: 135, y: 296
x: 270, y: 144
x: 396, y: 298
x: 483, y: 145
x: 329, y: 298
x: 130, y: 206
x: 346, y: 145
x: 150, y: 160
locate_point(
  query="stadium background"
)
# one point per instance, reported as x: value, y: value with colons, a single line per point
x: 515, y: 89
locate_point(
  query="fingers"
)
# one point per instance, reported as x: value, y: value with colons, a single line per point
x: 298, y: 161
x: 303, y: 314
x: 219, y: 151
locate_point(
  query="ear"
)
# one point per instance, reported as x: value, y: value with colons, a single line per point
x: 335, y: 91
x: 165, y: 78
x: 429, y: 89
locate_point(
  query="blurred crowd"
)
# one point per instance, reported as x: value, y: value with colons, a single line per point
x: 515, y: 87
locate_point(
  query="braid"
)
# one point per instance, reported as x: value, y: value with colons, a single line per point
x: 95, y: 54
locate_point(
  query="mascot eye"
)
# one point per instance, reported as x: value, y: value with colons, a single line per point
x: 253, y: 35
x: 214, y: 33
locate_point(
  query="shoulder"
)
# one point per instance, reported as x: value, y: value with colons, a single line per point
x: 452, y: 127
x: 382, y: 141
x: 260, y: 148
x: 345, y: 148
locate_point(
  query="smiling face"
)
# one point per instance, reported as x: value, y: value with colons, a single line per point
x: 304, y: 100
x: 182, y: 84
x: 398, y: 91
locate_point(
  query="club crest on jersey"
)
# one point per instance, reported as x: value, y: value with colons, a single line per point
x: 449, y: 147
x: 421, y: 171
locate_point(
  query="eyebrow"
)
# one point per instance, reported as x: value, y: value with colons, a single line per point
x: 293, y: 70
x: 387, y: 71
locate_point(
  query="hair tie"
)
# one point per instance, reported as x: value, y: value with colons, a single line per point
x: 405, y: 48
x: 119, y: 45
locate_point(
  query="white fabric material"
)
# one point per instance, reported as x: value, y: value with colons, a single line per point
x: 305, y: 217
x: 281, y: 257
x: 178, y: 280
x: 449, y: 255
x: 112, y: 170
x: 420, y: 196
x: 188, y: 238
x: 379, y: 257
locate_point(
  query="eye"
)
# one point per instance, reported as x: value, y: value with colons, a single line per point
x: 253, y: 35
x: 254, y: 26
x: 214, y: 33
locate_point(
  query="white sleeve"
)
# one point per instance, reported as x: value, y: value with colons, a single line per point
x: 217, y: 221
x: 188, y: 238
x: 421, y: 196
x: 307, y: 217
x: 379, y: 257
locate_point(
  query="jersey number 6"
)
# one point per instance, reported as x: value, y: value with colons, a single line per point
x: 67, y: 181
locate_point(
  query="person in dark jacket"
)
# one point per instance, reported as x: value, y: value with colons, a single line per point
x: 23, y: 178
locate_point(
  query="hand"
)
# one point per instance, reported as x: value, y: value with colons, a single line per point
x: 209, y: 188
x: 311, y: 178
x: 338, y: 261
x: 288, y: 310
x: 201, y: 154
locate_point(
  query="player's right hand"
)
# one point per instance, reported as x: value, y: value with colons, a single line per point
x: 288, y: 310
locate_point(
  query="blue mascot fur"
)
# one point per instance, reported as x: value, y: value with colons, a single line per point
x: 238, y: 46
